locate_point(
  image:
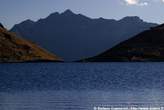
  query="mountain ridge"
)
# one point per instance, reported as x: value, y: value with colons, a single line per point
x: 81, y: 35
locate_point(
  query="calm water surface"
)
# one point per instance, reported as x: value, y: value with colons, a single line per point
x: 80, y: 86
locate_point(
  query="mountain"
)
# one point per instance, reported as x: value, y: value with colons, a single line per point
x: 75, y: 36
x: 16, y: 49
x: 146, y: 46
x: 1, y: 26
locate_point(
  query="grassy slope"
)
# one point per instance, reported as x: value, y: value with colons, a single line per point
x: 16, y: 49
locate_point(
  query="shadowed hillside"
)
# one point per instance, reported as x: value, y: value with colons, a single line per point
x: 15, y: 49
x: 146, y: 46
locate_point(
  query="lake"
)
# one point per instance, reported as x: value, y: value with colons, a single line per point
x: 80, y: 86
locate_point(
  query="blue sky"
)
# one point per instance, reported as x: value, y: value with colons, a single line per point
x: 15, y: 11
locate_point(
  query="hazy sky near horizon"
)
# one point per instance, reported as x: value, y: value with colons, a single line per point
x: 15, y: 11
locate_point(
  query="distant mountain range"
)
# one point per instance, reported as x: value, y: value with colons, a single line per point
x: 16, y: 49
x: 75, y: 36
x: 146, y: 46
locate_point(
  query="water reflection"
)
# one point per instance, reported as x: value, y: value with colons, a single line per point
x: 78, y: 100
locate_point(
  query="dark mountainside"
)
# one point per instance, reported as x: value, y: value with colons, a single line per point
x: 146, y: 46
x: 75, y: 36
x: 15, y: 49
x: 1, y: 26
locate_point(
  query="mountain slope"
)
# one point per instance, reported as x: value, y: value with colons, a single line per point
x: 146, y: 46
x: 15, y: 49
x: 1, y: 26
x: 75, y: 36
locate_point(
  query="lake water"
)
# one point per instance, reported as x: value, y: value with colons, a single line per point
x: 80, y: 86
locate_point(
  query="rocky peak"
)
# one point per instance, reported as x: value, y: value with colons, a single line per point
x: 131, y: 19
x: 68, y: 12
x: 28, y: 21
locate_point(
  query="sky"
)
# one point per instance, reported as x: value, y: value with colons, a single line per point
x: 15, y: 11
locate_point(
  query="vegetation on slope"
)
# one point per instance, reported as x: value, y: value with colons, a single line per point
x: 15, y: 49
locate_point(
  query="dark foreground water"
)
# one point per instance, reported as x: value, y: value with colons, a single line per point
x: 80, y: 86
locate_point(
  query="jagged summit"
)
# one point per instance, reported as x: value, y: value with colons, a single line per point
x: 57, y: 15
x: 68, y: 12
x: 131, y: 18
x: 53, y: 14
x: 27, y: 22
